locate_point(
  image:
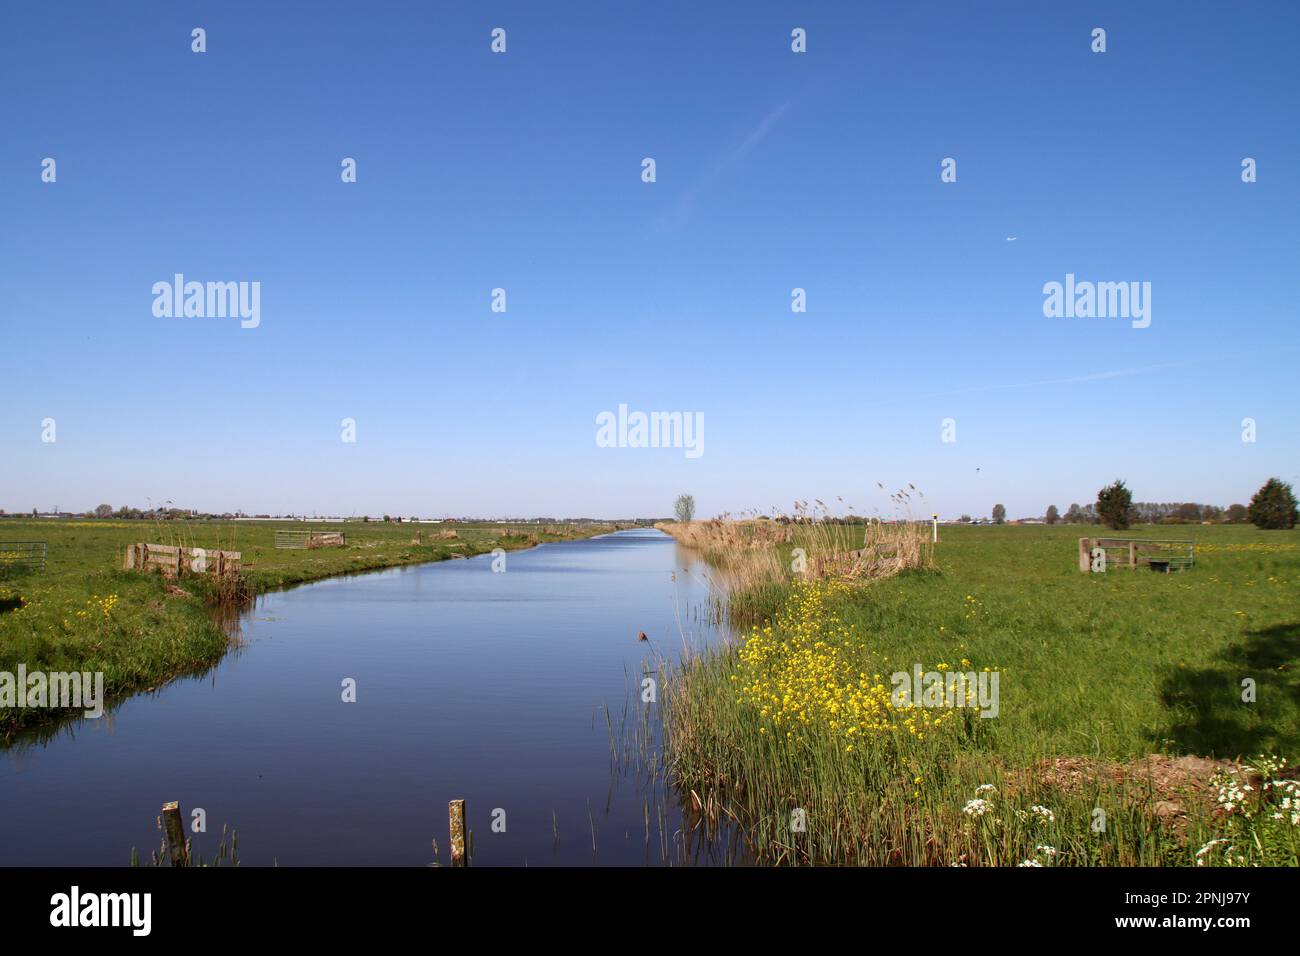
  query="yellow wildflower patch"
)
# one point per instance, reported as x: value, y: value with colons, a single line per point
x: 807, y: 669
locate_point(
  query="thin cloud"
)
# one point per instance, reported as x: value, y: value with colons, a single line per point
x: 759, y: 134
x: 1071, y: 380
x: 684, y: 207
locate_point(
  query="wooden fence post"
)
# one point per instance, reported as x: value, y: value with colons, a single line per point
x: 1085, y: 555
x: 1132, y: 555
x: 174, y: 831
x: 456, y: 812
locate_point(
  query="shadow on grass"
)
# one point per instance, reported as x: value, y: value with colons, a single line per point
x: 1207, y: 715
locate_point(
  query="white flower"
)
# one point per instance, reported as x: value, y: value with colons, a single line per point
x: 1029, y: 863
x: 984, y: 788
x: 1043, y: 812
x: 1200, y: 854
x: 976, y: 808
x: 1047, y: 850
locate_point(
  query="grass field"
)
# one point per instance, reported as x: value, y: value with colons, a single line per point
x: 84, y: 613
x: 1095, y: 672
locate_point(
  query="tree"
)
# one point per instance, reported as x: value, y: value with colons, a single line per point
x: 1273, y: 508
x: 1115, y: 506
x: 685, y: 508
x: 1237, y: 514
x: 1074, y: 515
x: 1053, y: 515
x: 999, y: 514
x: 104, y: 511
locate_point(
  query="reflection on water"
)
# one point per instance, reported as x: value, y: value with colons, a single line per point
x: 519, y: 692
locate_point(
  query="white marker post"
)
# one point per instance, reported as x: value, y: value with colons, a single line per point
x: 935, y: 516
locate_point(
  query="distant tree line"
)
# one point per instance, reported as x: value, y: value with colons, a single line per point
x: 1273, y: 507
x: 150, y: 514
x: 1152, y: 512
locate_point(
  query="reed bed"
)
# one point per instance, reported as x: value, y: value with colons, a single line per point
x: 758, y: 557
x: 810, y: 544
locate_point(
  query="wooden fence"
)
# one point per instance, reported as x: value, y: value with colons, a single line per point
x: 310, y: 539
x: 175, y: 561
x: 22, y: 556
x: 1134, y: 553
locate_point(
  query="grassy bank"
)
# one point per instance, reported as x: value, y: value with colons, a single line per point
x: 1097, y: 673
x: 84, y: 613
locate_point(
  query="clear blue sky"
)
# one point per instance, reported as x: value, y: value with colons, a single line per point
x: 523, y: 171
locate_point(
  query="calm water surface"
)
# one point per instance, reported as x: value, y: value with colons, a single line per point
x: 491, y: 687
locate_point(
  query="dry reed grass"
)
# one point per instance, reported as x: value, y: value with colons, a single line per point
x: 755, y: 551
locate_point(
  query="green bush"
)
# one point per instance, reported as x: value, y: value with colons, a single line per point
x: 1115, y: 506
x: 1273, y: 508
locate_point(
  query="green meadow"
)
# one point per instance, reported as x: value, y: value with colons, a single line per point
x: 1097, y: 672
x: 1123, y: 663
x: 84, y: 613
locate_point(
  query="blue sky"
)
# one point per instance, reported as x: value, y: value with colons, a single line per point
x: 522, y: 171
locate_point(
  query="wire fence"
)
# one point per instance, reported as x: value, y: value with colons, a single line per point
x: 21, y: 557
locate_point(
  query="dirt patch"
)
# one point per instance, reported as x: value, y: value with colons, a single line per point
x: 1176, y: 785
x: 173, y: 591
x: 1165, y: 776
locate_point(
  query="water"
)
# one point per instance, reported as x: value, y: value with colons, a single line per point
x: 487, y: 687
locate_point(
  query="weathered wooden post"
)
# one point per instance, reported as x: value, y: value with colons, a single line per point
x: 456, y: 812
x: 1085, y: 555
x: 174, y: 831
x: 1132, y: 555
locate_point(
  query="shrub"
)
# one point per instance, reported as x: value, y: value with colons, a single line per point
x: 1115, y: 506
x: 1273, y: 507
